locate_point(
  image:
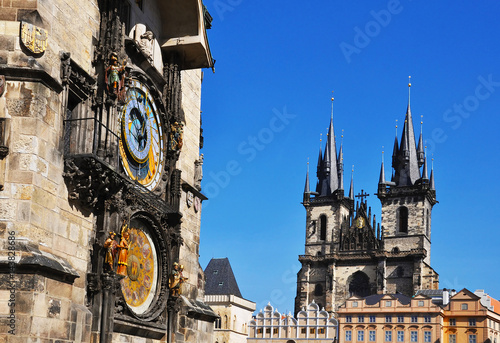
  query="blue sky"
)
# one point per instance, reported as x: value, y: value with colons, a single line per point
x: 269, y: 100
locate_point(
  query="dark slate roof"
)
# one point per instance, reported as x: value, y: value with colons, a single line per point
x: 373, y: 299
x: 220, y: 279
x: 431, y: 292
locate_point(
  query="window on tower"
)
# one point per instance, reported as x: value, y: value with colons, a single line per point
x: 403, y: 219
x: 318, y: 290
x: 322, y: 227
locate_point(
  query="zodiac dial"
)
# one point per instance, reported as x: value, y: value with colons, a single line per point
x: 140, y: 283
x: 141, y: 136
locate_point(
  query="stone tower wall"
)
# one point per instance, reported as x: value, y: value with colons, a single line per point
x: 334, y: 215
x: 34, y: 203
x: 417, y: 215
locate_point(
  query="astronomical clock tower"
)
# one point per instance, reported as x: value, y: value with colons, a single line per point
x: 100, y: 170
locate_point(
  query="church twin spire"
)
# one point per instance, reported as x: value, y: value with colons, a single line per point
x: 407, y: 159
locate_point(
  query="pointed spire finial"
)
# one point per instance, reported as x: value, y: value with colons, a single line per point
x: 381, y: 179
x: 396, y: 127
x: 332, y: 104
x: 432, y: 184
x: 351, y: 188
x: 409, y: 86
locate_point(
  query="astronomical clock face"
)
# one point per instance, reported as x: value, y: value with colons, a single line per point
x: 141, y: 136
x: 140, y: 283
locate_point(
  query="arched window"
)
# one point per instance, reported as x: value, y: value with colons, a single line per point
x: 226, y: 324
x: 322, y: 227
x: 359, y: 284
x: 217, y: 323
x: 428, y: 226
x: 403, y: 219
x: 318, y: 290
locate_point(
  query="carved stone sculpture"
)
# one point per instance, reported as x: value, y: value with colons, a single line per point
x: 146, y: 44
x: 198, y: 172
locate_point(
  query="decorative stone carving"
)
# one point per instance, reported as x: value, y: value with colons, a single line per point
x: 74, y: 75
x: 176, y: 136
x: 146, y: 44
x: 34, y: 38
x: 198, y: 172
x: 90, y: 182
x: 2, y: 84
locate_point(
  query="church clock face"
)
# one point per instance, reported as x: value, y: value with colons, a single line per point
x: 140, y: 283
x: 141, y: 136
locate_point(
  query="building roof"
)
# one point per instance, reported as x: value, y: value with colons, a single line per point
x: 375, y: 298
x: 431, y: 292
x: 220, y: 279
x: 496, y: 304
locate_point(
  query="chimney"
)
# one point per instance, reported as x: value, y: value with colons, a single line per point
x: 446, y: 297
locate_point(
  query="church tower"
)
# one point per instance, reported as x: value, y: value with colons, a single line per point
x: 407, y: 202
x: 346, y: 252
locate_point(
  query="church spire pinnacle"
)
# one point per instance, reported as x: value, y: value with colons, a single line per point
x: 341, y: 162
x: 306, y: 187
x: 381, y: 180
x: 432, y: 185
x: 420, y: 149
x: 424, y: 171
x: 351, y: 188
x: 307, y: 191
x: 405, y: 161
x: 330, y: 180
x: 409, y: 93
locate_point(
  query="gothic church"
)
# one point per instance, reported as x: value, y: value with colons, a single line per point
x: 346, y: 252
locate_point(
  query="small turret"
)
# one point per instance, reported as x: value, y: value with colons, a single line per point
x: 351, y: 188
x: 340, y: 162
x: 432, y: 185
x: 307, y: 192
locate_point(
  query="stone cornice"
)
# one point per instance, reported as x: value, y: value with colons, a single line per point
x: 30, y: 75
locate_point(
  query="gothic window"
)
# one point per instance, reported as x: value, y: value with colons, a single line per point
x: 322, y: 225
x: 226, y: 324
x: 318, y: 290
x: 403, y: 219
x: 359, y: 284
x: 217, y: 323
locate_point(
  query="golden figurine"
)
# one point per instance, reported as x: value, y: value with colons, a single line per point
x: 176, y: 280
x: 110, y: 246
x: 123, y: 251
